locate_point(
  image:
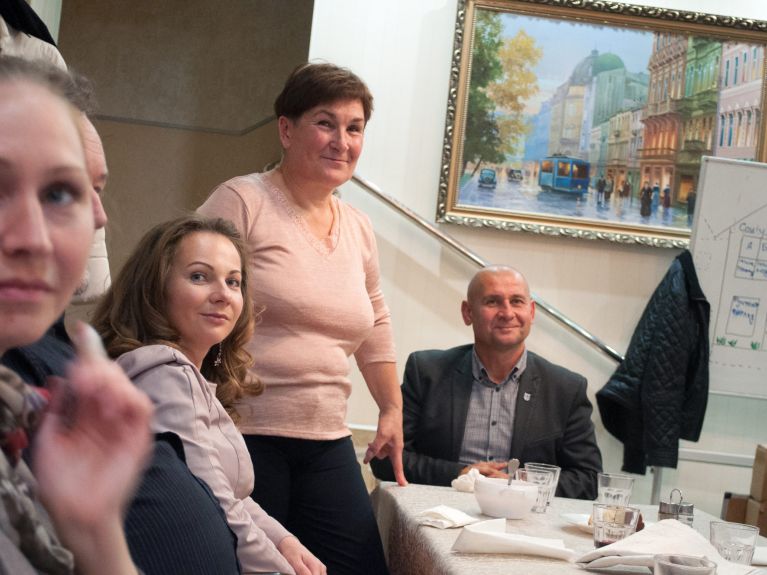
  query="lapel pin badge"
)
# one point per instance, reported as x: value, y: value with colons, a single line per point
x: 526, y: 397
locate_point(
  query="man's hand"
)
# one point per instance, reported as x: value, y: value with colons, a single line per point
x: 388, y: 442
x: 488, y: 468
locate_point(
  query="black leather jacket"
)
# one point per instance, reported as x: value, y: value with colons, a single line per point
x: 659, y: 392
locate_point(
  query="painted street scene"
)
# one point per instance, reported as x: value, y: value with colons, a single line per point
x: 599, y: 122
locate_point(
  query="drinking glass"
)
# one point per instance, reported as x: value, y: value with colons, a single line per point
x: 614, y: 488
x: 613, y: 523
x: 734, y: 541
x: 553, y: 468
x: 682, y: 565
x: 544, y: 479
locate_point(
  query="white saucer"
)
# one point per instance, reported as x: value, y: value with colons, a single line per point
x: 580, y: 520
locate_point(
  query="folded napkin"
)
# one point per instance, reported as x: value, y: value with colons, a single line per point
x: 491, y: 537
x: 466, y: 481
x: 444, y: 517
x: 667, y: 536
x: 760, y: 556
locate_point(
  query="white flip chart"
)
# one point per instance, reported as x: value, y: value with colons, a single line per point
x: 729, y: 248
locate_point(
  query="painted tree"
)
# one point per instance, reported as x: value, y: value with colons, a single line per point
x: 518, y: 83
x: 482, y: 136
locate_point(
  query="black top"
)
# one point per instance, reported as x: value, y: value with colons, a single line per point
x: 174, y: 524
x: 20, y: 16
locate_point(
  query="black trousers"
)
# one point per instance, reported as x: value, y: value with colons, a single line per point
x: 315, y: 489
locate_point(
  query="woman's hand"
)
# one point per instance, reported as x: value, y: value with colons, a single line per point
x: 381, y: 379
x: 389, y: 442
x: 91, y: 449
x: 300, y: 558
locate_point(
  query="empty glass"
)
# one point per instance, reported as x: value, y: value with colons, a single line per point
x: 614, y: 488
x: 556, y: 469
x: 682, y: 565
x: 734, y: 541
x: 613, y: 523
x: 544, y: 479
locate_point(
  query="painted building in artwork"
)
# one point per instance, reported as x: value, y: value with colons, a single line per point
x: 537, y: 140
x: 741, y: 77
x: 573, y: 105
x: 662, y: 119
x: 566, y: 119
x: 582, y: 109
x: 698, y: 111
x: 616, y: 92
x: 598, y: 137
x: 618, y: 139
x: 636, y: 142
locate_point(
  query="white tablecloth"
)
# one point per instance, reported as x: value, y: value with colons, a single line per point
x: 413, y: 549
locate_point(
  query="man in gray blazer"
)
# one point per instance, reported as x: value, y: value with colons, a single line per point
x: 477, y: 406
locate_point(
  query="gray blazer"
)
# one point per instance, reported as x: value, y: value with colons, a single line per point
x: 553, y: 426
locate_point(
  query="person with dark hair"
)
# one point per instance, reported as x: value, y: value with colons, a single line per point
x: 176, y: 319
x: 691, y: 198
x: 94, y: 436
x: 314, y: 269
x: 645, y: 200
x: 601, y: 186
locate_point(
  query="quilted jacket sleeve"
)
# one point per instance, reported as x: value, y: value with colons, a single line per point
x: 643, y: 402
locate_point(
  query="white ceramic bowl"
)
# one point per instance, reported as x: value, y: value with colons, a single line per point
x: 497, y: 498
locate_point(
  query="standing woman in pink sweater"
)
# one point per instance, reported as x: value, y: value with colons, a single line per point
x: 314, y: 268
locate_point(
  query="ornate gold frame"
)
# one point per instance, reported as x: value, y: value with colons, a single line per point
x: 611, y: 14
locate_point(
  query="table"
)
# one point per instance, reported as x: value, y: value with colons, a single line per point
x: 419, y: 550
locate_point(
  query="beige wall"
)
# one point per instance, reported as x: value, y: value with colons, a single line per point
x: 185, y: 92
x: 192, y: 63
x: 159, y: 173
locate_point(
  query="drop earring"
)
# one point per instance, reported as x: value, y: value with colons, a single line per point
x: 218, y: 359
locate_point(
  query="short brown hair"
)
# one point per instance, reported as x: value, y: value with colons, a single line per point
x: 310, y: 85
x: 133, y: 312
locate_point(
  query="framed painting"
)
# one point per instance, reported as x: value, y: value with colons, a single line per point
x: 589, y: 119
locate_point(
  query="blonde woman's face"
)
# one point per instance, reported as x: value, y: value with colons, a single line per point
x: 46, y: 214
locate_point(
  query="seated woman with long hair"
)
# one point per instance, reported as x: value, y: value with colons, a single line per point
x: 176, y: 319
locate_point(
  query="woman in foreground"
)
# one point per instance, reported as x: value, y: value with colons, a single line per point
x: 94, y: 438
x: 176, y: 319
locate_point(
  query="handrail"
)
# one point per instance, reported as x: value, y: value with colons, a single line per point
x: 480, y: 262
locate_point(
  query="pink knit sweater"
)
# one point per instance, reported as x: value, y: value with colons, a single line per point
x: 323, y: 303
